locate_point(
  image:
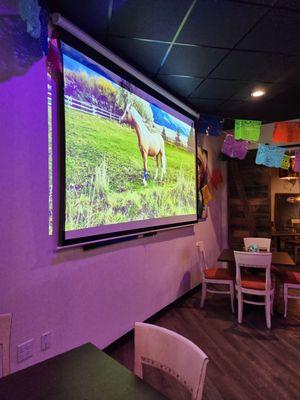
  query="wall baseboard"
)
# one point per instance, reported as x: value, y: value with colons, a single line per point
x: 130, y: 334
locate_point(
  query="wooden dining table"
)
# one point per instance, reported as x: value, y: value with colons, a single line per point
x: 84, y: 373
x: 281, y: 259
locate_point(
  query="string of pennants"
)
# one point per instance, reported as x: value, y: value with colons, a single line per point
x: 236, y: 145
x: 245, y: 131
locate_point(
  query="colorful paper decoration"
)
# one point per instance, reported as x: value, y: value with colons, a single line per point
x: 206, y: 194
x: 271, y: 156
x: 216, y: 178
x: 285, y: 163
x: 247, y: 130
x: 29, y: 12
x: 44, y: 27
x: 234, y: 148
x: 297, y: 161
x: 54, y: 57
x: 210, y: 125
x: 286, y: 132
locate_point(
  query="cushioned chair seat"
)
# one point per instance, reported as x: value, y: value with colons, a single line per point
x: 253, y: 282
x: 290, y: 277
x: 218, y: 273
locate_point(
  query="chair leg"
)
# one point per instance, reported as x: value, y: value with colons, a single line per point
x: 240, y: 307
x: 268, y: 310
x: 272, y: 304
x: 203, y: 294
x: 285, y: 295
x: 232, y: 296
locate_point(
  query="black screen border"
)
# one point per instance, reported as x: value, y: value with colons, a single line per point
x: 112, y: 66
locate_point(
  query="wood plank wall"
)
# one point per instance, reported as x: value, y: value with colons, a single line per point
x: 249, y: 203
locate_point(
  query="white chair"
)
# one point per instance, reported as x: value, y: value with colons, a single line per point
x: 172, y: 354
x: 214, y: 276
x: 254, y: 285
x: 5, y: 329
x: 290, y: 280
x: 262, y: 243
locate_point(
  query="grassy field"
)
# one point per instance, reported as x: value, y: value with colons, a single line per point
x: 104, y: 175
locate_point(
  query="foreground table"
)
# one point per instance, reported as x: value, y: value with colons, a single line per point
x: 280, y: 259
x: 85, y: 373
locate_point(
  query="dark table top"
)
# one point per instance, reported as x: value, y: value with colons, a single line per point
x: 85, y: 373
x: 279, y: 258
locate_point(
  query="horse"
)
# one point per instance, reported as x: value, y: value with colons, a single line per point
x: 150, y: 144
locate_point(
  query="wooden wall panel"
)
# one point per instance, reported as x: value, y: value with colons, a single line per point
x: 249, y: 205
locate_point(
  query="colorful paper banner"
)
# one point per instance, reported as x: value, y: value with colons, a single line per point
x: 286, y: 132
x: 285, y: 163
x: 216, y: 178
x: 271, y: 156
x: 234, y: 148
x: 206, y: 194
x: 247, y: 130
x: 210, y: 125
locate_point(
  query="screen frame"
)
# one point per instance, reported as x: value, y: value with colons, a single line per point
x: 76, y: 44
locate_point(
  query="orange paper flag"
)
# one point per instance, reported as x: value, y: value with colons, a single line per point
x: 286, y: 132
x: 207, y: 195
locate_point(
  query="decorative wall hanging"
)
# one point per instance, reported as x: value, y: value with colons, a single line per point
x: 206, y: 194
x: 202, y: 176
x: 210, y: 125
x: 285, y: 163
x: 247, y: 130
x: 286, y: 132
x: 30, y: 13
x: 271, y: 156
x: 216, y: 178
x: 54, y: 61
x: 234, y: 148
x: 18, y: 50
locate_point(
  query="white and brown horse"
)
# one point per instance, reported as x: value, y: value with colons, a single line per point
x: 150, y: 144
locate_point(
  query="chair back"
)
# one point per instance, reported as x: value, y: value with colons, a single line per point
x: 262, y: 243
x: 253, y: 260
x: 201, y: 257
x: 5, y: 328
x: 172, y: 354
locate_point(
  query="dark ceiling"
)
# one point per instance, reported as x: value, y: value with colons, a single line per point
x: 209, y: 53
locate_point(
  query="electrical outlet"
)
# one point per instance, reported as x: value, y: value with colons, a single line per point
x: 25, y: 350
x: 46, y: 341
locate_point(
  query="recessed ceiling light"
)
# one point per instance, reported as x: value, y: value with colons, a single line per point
x: 258, y: 93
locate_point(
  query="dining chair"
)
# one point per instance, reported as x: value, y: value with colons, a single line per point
x: 216, y: 276
x: 290, y: 281
x: 254, y: 285
x: 5, y: 329
x: 262, y: 243
x: 172, y: 355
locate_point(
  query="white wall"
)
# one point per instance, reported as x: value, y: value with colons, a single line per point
x: 79, y: 296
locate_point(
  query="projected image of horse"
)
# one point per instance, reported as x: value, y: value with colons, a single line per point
x: 150, y: 144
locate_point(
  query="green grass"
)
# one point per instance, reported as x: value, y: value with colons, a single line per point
x: 104, y: 173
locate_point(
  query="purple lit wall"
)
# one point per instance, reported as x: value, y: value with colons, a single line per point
x: 79, y: 296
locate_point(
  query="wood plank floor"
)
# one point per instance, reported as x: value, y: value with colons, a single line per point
x: 247, y: 361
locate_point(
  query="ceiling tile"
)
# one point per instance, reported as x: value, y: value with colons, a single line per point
x: 219, y: 23
x: 145, y: 55
x: 181, y: 85
x: 220, y: 89
x: 148, y: 19
x: 279, y: 31
x: 206, y: 105
x: 92, y: 18
x: 293, y: 4
x: 195, y: 61
x: 256, y: 66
